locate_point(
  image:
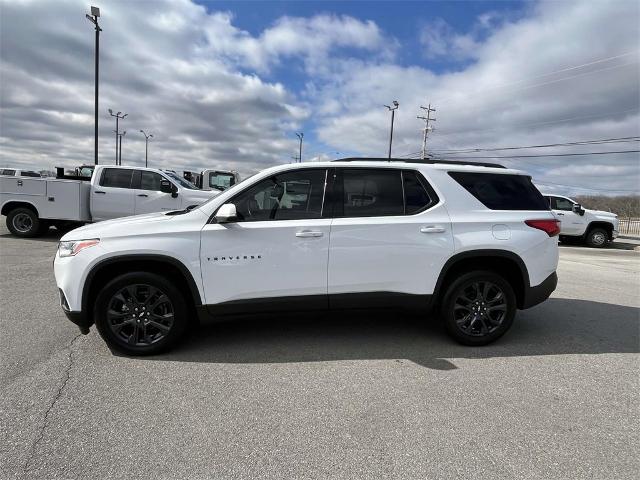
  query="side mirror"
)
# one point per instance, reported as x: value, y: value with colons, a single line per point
x: 167, y: 187
x: 577, y: 208
x: 226, y: 213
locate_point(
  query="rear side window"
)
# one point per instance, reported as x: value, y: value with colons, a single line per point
x: 502, y: 191
x: 372, y: 192
x: 416, y: 196
x: 116, y: 178
x: 7, y: 172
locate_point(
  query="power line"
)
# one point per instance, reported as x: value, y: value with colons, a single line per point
x: 496, y: 87
x: 548, y: 155
x: 566, y: 144
x: 581, y: 187
x: 581, y: 117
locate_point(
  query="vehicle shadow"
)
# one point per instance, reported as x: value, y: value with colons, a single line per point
x: 51, y: 236
x: 557, y: 327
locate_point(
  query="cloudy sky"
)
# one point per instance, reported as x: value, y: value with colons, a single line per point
x: 227, y: 84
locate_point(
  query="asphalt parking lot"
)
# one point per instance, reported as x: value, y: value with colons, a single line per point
x: 330, y: 397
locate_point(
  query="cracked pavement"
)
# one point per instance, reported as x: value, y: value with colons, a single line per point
x: 327, y: 397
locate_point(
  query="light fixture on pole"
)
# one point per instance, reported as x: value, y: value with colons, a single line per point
x: 146, y: 147
x: 93, y: 18
x: 118, y: 117
x: 300, y: 137
x: 393, y: 114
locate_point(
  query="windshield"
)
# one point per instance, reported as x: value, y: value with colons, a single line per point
x: 181, y: 181
x: 220, y: 180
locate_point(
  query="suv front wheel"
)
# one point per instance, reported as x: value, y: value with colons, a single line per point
x: 478, y: 308
x: 140, y: 313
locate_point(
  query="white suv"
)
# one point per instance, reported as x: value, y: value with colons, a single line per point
x: 475, y: 242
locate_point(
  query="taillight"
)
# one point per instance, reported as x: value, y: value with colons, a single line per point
x: 551, y: 227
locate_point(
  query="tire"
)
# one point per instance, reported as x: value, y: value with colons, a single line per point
x: 24, y: 222
x: 129, y: 295
x: 597, y: 238
x: 465, y: 314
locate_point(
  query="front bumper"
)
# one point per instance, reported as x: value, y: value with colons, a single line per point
x: 80, y: 320
x: 539, y: 293
x: 614, y: 234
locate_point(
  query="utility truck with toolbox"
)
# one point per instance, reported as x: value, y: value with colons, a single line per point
x: 92, y: 194
x: 472, y: 243
x: 595, y: 228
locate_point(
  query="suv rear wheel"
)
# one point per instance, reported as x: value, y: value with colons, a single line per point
x: 478, y: 308
x: 140, y: 313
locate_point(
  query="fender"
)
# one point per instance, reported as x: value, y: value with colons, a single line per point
x: 7, y: 206
x: 193, y: 288
x: 481, y: 254
x: 599, y: 223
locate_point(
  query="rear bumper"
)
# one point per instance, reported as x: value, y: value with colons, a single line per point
x: 539, y: 293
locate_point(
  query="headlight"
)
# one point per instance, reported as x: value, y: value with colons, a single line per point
x: 69, y: 249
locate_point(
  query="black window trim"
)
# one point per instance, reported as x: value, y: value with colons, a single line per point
x: 325, y: 197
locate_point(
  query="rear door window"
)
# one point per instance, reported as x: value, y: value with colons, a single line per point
x: 371, y: 192
x: 116, y: 178
x: 502, y: 191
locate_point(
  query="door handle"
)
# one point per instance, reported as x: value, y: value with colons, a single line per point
x: 19, y: 183
x: 143, y: 195
x: 308, y: 234
x: 432, y: 229
x: 560, y: 214
x: 100, y: 191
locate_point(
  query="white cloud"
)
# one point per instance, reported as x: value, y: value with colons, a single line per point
x: 208, y: 90
x: 190, y: 77
x: 507, y: 96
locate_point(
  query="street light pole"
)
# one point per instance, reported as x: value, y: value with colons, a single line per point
x: 393, y: 114
x: 300, y: 136
x: 121, y: 135
x: 118, y: 117
x: 146, y: 147
x: 93, y: 18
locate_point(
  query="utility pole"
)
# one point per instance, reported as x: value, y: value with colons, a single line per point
x: 93, y: 18
x: 393, y: 114
x: 118, y: 117
x: 300, y: 137
x: 427, y: 128
x: 119, y: 162
x: 146, y: 147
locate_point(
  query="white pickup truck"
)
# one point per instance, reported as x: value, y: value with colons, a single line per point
x: 32, y: 205
x: 595, y: 228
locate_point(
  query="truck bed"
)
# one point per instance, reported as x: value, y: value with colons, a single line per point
x: 55, y: 199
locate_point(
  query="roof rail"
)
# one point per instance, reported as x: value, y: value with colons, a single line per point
x: 427, y: 161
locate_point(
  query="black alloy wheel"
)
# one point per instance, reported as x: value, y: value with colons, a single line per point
x: 140, y: 314
x: 478, y: 308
